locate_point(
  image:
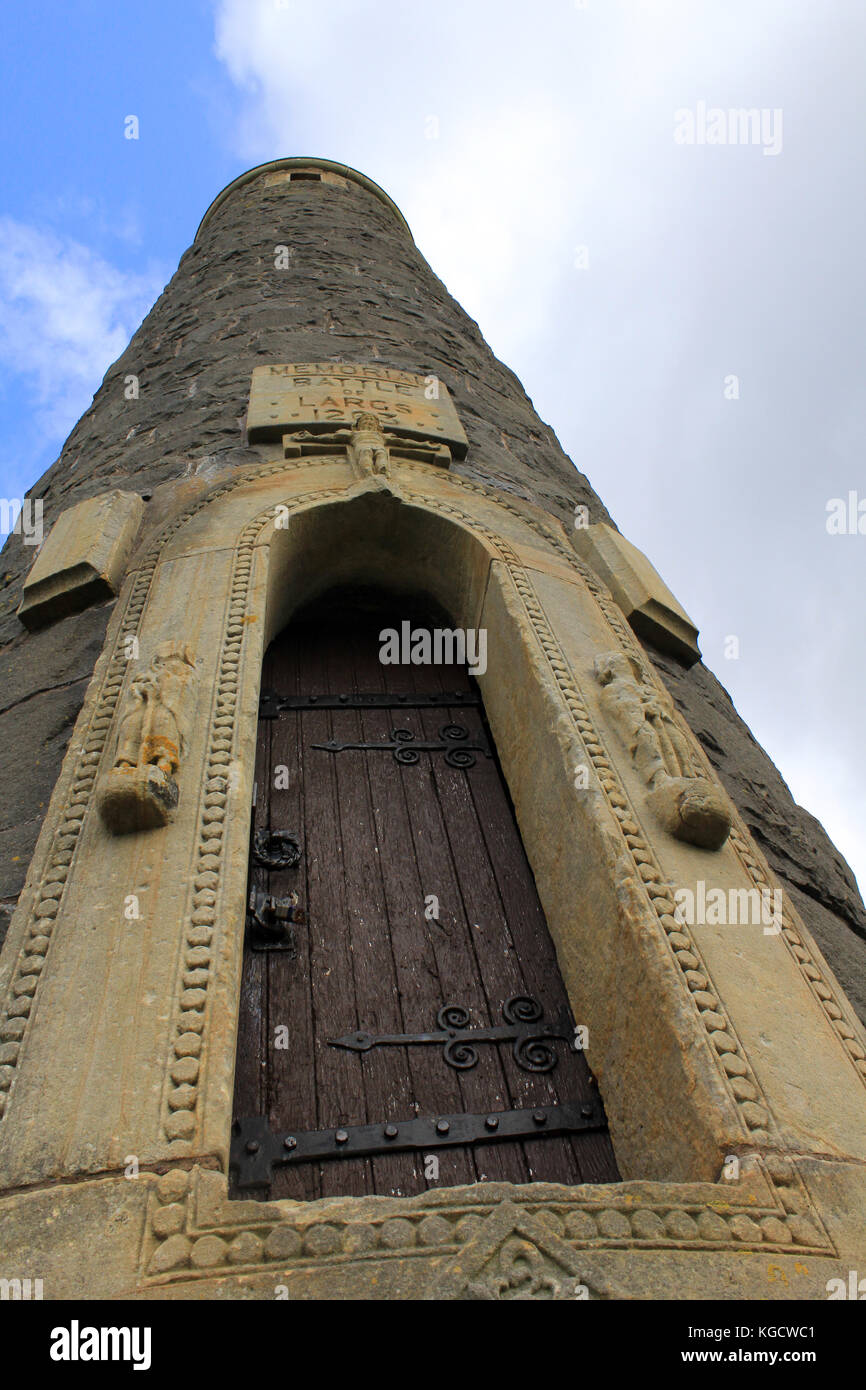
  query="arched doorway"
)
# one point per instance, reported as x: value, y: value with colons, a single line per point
x: 393, y: 926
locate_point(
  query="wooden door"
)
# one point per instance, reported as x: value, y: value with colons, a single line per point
x: 382, y: 820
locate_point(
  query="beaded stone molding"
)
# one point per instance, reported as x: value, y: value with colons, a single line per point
x: 193, y: 1232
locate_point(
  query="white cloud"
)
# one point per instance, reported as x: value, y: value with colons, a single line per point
x: 556, y: 129
x: 65, y: 315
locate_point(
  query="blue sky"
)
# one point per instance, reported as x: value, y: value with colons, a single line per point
x: 544, y: 130
x: 93, y: 224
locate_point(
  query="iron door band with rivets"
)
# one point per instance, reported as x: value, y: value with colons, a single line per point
x: 256, y: 1150
x: 271, y: 705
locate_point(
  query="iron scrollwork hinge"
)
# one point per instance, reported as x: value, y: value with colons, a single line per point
x: 270, y: 921
x: 531, y: 1049
x: 452, y: 742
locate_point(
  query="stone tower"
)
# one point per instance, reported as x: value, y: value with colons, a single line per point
x: 306, y: 409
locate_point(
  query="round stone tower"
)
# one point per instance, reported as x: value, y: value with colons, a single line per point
x: 307, y: 410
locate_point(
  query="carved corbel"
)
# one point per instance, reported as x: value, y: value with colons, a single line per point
x: 685, y: 802
x: 140, y: 792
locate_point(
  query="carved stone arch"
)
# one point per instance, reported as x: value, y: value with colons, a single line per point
x: 482, y: 559
x: 678, y: 1015
x: 398, y: 540
x: 417, y: 536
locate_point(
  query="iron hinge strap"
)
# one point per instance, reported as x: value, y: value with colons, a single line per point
x: 271, y: 705
x: 524, y: 1027
x: 256, y: 1150
x: 452, y: 742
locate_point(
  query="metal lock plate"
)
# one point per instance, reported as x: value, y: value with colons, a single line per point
x: 270, y: 921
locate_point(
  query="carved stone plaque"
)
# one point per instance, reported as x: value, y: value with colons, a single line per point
x: 322, y: 397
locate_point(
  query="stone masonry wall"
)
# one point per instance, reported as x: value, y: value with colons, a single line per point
x: 357, y: 290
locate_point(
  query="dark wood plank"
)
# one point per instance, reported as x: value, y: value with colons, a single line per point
x: 382, y: 1075
x: 339, y: 1100
x: 292, y: 1081
x: 497, y: 964
x: 572, y: 1079
x: 250, y: 1088
x: 485, y: 1087
x: 433, y: 1087
x: 584, y: 1158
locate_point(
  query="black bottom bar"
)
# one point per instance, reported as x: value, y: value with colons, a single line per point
x: 255, y: 1149
x: 271, y: 704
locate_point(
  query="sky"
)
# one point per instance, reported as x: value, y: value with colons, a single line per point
x: 681, y: 296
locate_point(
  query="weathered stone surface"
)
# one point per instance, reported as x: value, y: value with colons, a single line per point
x: 59, y: 655
x: 672, y: 1110
x: 357, y: 290
x: 844, y: 947
x: 681, y: 798
x: 639, y: 590
x: 83, y: 558
x: 33, y: 734
x: 692, y: 810
x: 635, y: 1241
x: 43, y: 678
x: 140, y: 798
x: 795, y: 843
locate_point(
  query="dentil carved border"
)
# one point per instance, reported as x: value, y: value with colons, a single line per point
x: 193, y: 1231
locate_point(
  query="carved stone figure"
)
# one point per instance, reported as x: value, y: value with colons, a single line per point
x: 141, y: 791
x: 367, y: 445
x: 687, y: 804
x: 299, y: 442
x: 368, y: 449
